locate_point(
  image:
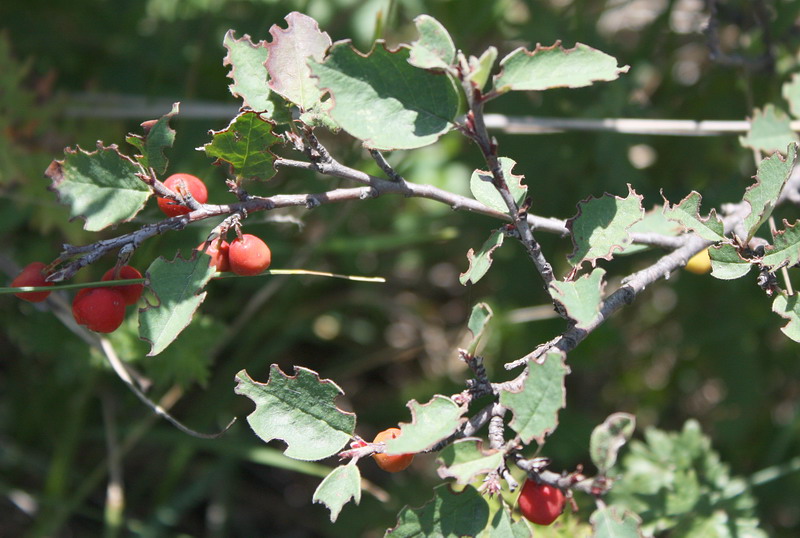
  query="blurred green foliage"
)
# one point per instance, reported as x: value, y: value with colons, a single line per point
x: 689, y: 347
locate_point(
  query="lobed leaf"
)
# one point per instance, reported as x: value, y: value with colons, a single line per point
x: 773, y: 173
x: 481, y: 261
x: 608, y: 522
x: 502, y: 524
x: 157, y: 137
x: 789, y: 308
x: 478, y: 319
x: 602, y: 226
x: 654, y: 221
x: 785, y: 248
x: 581, y: 298
x: 687, y: 213
x: 483, y: 189
x: 447, y: 515
x: 175, y: 285
x: 726, y: 263
x: 465, y: 459
x: 244, y: 145
x: 608, y: 438
x: 536, y: 405
x: 430, y: 423
x: 770, y: 131
x: 336, y: 489
x: 381, y: 89
x: 249, y: 74
x: 298, y: 410
x: 556, y: 67
x: 434, y: 49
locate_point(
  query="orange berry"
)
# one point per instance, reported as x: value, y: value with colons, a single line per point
x: 387, y: 462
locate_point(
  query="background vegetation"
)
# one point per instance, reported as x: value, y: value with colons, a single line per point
x: 691, y: 346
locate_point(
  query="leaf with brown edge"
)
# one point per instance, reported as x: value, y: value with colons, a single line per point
x: 466, y: 459
x: 481, y: 261
x: 687, y: 213
x: 430, y: 423
x: 250, y: 76
x: 157, y: 137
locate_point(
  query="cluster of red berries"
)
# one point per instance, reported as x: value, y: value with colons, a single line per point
x: 244, y: 256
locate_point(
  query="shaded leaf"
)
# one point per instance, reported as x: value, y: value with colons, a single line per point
x: 447, y: 515
x: 481, y: 68
x: 336, y: 490
x: 770, y: 131
x: 176, y: 286
x: 789, y: 308
x: 536, y: 406
x: 791, y: 92
x: 244, y: 145
x: 298, y: 410
x: 687, y: 213
x: 481, y: 261
x: 485, y: 192
x: 608, y: 522
x: 480, y: 316
x: 602, y: 226
x: 502, y: 524
x: 382, y: 89
x: 654, y: 221
x: 581, y: 298
x: 158, y: 136
x: 785, y: 248
x: 556, y: 67
x: 434, y: 49
x: 726, y: 263
x: 248, y: 72
x: 608, y: 438
x: 465, y: 459
x: 430, y: 423
x: 100, y: 186
x: 773, y: 173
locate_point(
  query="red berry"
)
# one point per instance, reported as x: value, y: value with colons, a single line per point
x: 130, y: 293
x: 249, y: 255
x: 99, y: 309
x: 540, y: 503
x: 32, y: 275
x: 219, y: 252
x: 387, y: 462
x: 196, y: 187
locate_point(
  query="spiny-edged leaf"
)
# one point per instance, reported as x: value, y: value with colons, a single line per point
x: 447, y: 515
x: 556, y: 67
x: 608, y: 438
x: 466, y: 459
x: 791, y: 92
x: 485, y: 192
x: 481, y: 68
x: 773, y: 173
x: 430, y: 423
x: 687, y: 213
x: 157, y: 137
x: 336, y: 490
x: 608, y: 522
x: 99, y: 186
x: 581, y: 298
x: 602, y: 226
x: 299, y: 410
x: 785, y: 248
x: 502, y: 524
x: 480, y: 316
x: 481, y: 261
x: 248, y: 72
x: 381, y: 89
x: 789, y: 308
x: 176, y: 285
x: 536, y: 406
x: 655, y: 222
x: 244, y: 145
x: 770, y: 131
x: 435, y: 48
x: 287, y: 63
x: 726, y: 263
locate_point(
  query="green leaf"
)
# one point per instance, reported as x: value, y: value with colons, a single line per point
x: 157, y: 137
x: 435, y: 48
x: 789, y: 308
x: 582, y: 298
x: 556, y: 67
x: 336, y: 490
x: 726, y: 263
x: 176, y: 285
x: 536, y: 406
x: 430, y: 423
x: 485, y: 192
x: 773, y: 173
x: 299, y: 410
x: 602, y: 226
x: 99, y: 186
x: 465, y: 459
x: 380, y: 90
x: 481, y: 261
x: 502, y: 524
x: 608, y: 438
x: 289, y: 53
x: 608, y: 523
x: 248, y: 72
x: 245, y: 144
x: 785, y: 248
x: 481, y: 68
x: 687, y: 213
x: 654, y: 221
x: 447, y: 515
x: 770, y: 131
x: 791, y: 92
x: 478, y: 319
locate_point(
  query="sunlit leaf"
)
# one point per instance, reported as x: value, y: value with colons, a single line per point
x: 785, y: 248
x: 581, y: 298
x: 789, y: 308
x: 478, y: 319
x: 687, y: 213
x: 485, y: 192
x: 773, y: 173
x: 481, y: 68
x: 465, y: 459
x: 336, y: 490
x: 770, y: 131
x: 248, y: 72
x: 244, y: 145
x: 157, y: 137
x: 481, y: 261
x: 434, y: 49
x: 608, y: 522
x: 608, y: 438
x: 726, y: 263
x: 430, y: 423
